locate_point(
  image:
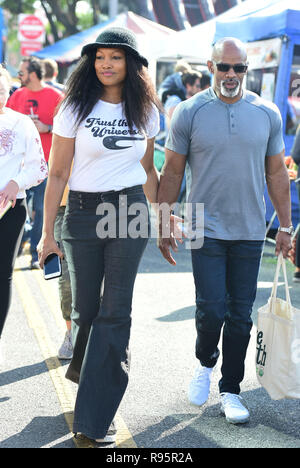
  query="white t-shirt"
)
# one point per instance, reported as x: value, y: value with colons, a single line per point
x: 21, y: 153
x: 107, y: 155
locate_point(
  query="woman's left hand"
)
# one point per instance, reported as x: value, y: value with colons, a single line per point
x: 9, y: 193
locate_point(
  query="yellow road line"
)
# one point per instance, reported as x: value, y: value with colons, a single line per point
x: 35, y: 321
x: 62, y: 386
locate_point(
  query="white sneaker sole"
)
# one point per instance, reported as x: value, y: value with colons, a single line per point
x: 64, y: 358
x: 107, y: 439
x: 234, y: 420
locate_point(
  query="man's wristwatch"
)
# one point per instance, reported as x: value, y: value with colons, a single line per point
x: 289, y: 230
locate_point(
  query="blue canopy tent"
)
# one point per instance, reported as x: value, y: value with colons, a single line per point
x: 265, y: 20
x: 269, y: 18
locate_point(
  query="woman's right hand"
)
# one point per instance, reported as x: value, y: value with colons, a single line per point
x: 9, y: 193
x: 47, y: 246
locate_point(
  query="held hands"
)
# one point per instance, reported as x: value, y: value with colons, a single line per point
x: 168, y: 235
x: 9, y: 193
x: 47, y: 246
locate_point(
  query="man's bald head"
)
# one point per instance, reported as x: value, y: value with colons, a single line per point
x: 229, y: 45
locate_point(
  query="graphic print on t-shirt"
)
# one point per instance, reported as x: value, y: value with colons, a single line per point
x: 7, y: 137
x: 113, y: 132
x: 31, y: 108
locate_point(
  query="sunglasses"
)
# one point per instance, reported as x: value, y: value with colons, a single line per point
x: 20, y: 73
x: 225, y: 67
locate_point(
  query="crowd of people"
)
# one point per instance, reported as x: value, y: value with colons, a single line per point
x: 97, y: 135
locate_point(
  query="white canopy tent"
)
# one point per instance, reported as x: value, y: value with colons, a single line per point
x: 195, y: 44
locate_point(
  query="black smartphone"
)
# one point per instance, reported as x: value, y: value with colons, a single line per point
x: 52, y: 266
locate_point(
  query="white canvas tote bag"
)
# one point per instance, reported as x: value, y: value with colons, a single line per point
x: 278, y: 343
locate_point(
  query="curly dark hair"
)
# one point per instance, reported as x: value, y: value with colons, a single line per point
x: 83, y: 90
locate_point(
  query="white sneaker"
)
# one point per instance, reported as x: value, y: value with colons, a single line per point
x: 233, y: 407
x: 66, y: 349
x: 111, y: 435
x: 200, y: 385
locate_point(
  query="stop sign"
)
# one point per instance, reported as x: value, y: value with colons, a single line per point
x: 31, y: 28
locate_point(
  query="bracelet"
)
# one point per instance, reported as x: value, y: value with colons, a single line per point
x: 50, y: 127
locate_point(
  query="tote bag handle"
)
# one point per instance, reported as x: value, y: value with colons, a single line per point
x: 281, y: 263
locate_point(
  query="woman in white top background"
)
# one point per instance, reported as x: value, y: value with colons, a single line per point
x: 22, y: 165
x: 106, y: 126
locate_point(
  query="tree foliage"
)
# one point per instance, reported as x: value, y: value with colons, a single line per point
x: 62, y: 16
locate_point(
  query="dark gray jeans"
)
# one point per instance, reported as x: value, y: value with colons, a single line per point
x: 101, y: 329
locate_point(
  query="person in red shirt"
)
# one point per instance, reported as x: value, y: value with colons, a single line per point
x: 39, y: 101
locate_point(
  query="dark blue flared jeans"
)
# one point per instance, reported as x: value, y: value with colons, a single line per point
x: 225, y: 275
x: 101, y: 318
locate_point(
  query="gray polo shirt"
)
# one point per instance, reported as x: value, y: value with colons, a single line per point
x: 226, y: 146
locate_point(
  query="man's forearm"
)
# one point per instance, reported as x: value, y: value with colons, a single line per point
x: 169, y: 188
x: 279, y: 192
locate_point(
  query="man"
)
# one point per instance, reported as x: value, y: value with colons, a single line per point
x: 51, y: 72
x: 173, y: 96
x: 231, y: 139
x: 39, y: 101
x: 205, y: 81
x: 175, y: 79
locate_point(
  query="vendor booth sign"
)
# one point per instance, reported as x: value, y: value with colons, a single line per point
x: 264, y: 54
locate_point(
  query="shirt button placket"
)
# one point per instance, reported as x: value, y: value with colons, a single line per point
x: 232, y: 121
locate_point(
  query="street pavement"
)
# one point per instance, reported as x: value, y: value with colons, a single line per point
x: 36, y: 401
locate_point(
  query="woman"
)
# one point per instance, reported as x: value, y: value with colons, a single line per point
x: 106, y: 124
x: 22, y: 165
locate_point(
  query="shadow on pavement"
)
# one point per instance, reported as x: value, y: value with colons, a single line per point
x: 26, y: 372
x: 274, y: 424
x: 41, y: 432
